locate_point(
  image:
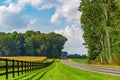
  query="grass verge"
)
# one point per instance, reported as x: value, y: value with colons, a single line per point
x: 78, y: 60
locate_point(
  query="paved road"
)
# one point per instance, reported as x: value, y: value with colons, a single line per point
x: 99, y: 69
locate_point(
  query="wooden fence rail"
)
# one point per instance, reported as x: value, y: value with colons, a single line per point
x: 21, y: 66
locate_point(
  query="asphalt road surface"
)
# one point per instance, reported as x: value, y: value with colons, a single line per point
x: 100, y: 69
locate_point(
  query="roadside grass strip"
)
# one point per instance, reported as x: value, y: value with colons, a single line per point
x: 78, y: 60
x: 88, y: 75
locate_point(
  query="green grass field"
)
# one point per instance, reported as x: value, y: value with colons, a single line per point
x: 25, y: 58
x: 59, y: 71
x: 48, y: 60
x: 78, y: 60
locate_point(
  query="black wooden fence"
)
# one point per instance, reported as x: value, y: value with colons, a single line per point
x: 22, y: 67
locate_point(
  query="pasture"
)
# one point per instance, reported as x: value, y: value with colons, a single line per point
x: 78, y: 60
x: 26, y: 58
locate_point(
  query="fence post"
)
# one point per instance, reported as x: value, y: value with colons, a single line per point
x: 39, y: 65
x: 13, y: 64
x: 18, y: 67
x: 25, y: 66
x: 22, y: 66
x: 33, y: 65
x: 30, y: 66
x: 6, y: 69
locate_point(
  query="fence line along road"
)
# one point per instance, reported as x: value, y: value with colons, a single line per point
x: 99, y: 69
x: 21, y: 66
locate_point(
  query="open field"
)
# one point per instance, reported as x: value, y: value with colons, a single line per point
x: 26, y: 58
x: 23, y: 58
x: 78, y: 60
x: 48, y: 60
x: 59, y: 71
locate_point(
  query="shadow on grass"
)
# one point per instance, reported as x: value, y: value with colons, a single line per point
x: 42, y: 75
x: 31, y: 78
x: 28, y: 75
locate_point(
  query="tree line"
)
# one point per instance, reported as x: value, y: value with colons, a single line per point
x: 84, y: 56
x: 100, y: 21
x: 31, y: 43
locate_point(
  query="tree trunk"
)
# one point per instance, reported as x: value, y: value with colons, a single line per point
x: 101, y: 58
x: 102, y: 55
x: 106, y: 30
x: 109, y: 45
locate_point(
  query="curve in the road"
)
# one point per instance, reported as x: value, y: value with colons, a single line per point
x: 100, y: 69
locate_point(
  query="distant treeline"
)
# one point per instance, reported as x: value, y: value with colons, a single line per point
x: 31, y: 43
x: 77, y: 56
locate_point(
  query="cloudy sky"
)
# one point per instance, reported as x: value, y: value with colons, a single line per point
x: 59, y: 16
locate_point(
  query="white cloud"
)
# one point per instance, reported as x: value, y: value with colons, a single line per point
x: 68, y: 11
x: 12, y: 8
x: 10, y: 17
x: 39, y: 4
x: 33, y: 21
x: 75, y: 39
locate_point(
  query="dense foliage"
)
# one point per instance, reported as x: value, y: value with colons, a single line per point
x: 101, y: 24
x: 31, y: 44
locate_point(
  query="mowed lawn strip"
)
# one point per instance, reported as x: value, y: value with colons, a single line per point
x: 78, y: 60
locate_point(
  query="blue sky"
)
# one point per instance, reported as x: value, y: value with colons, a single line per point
x: 59, y: 16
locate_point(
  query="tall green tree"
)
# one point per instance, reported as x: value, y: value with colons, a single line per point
x: 100, y: 22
